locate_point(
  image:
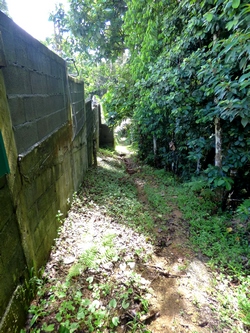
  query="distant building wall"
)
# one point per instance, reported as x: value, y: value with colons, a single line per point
x: 49, y: 144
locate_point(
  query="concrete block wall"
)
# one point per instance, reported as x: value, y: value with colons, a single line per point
x: 76, y: 88
x: 48, y: 145
x: 13, y: 265
x: 89, y: 130
x: 36, y: 84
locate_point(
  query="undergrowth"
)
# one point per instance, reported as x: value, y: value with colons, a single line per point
x: 222, y: 237
x: 94, y: 302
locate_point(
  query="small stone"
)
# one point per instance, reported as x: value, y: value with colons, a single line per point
x: 69, y: 260
x: 131, y: 265
x: 123, y: 266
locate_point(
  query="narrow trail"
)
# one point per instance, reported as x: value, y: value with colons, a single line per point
x: 178, y: 279
x: 120, y: 265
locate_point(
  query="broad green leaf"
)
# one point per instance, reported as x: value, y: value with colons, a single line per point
x: 113, y: 303
x: 90, y: 279
x: 115, y: 321
x: 125, y: 304
x: 235, y: 3
x: 244, y: 76
x: 80, y: 314
x: 243, y: 62
x: 229, y: 25
x: 63, y: 329
x: 49, y: 328
x: 209, y: 17
x: 59, y: 317
x: 221, y: 182
x: 244, y: 121
x: 228, y: 185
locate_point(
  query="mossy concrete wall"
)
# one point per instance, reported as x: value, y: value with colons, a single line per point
x: 13, y: 265
x: 48, y: 143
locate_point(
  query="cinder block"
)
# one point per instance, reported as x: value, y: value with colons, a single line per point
x: 55, y: 85
x: 54, y: 103
x: 59, y: 102
x: 42, y: 128
x: 17, y: 110
x: 45, y: 64
x: 56, y: 120
x: 38, y: 83
x: 26, y: 137
x: 17, y: 80
x: 39, y: 104
x: 29, y: 107
x: 21, y: 52
x: 8, y: 42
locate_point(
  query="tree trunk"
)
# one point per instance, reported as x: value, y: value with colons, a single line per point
x: 217, y: 132
x: 155, y: 145
x: 155, y: 150
x: 218, y: 143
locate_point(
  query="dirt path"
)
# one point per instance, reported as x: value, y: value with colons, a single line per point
x: 144, y: 282
x: 179, y: 280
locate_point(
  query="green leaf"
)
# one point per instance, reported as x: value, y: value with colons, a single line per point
x: 243, y: 77
x: 80, y: 314
x: 221, y: 182
x: 209, y: 17
x: 63, y: 329
x: 59, y: 317
x: 243, y: 62
x: 244, y: 121
x: 228, y: 185
x: 113, y: 303
x: 235, y: 3
x: 49, y: 328
x: 115, y: 321
x: 90, y: 279
x: 230, y: 25
x: 125, y: 304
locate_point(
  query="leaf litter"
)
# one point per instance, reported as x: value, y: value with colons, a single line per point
x: 108, y: 273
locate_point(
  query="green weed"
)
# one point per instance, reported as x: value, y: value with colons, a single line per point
x: 211, y: 233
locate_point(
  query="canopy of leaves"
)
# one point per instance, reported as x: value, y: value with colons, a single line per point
x: 173, y: 66
x: 90, y: 37
x: 189, y: 63
x: 93, y: 27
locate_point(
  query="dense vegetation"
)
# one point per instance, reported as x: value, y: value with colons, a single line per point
x: 190, y: 74
x: 180, y: 70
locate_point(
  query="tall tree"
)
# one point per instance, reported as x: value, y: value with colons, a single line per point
x: 94, y: 27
